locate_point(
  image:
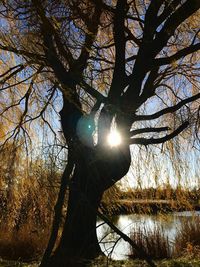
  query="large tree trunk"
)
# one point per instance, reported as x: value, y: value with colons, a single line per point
x: 96, y: 169
x: 79, y: 238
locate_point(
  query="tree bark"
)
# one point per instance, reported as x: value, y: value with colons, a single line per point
x: 96, y: 169
x: 90, y: 179
x: 79, y: 239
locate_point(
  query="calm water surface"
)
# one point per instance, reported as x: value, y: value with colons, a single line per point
x: 170, y: 223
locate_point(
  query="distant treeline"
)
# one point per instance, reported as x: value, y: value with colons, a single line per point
x: 165, y: 193
x: 150, y: 200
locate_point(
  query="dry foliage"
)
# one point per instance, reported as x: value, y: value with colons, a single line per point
x: 27, y: 199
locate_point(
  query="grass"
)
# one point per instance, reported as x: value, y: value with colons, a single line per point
x: 6, y: 263
x: 157, y: 245
x: 26, y: 245
x: 26, y: 214
x: 24, y: 234
x: 22, y: 245
x: 154, y: 242
x: 179, y: 262
x: 102, y: 262
x: 188, y: 238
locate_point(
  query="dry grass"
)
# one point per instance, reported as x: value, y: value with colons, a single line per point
x: 23, y: 245
x: 153, y: 242
x: 187, y: 241
x: 180, y: 262
x: 25, y: 228
x: 157, y: 245
x: 26, y: 218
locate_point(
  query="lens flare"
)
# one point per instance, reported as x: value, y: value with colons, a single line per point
x: 114, y: 138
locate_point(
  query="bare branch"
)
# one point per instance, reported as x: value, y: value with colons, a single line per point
x: 151, y: 21
x: 34, y: 56
x: 181, y: 14
x: 120, y: 44
x: 17, y: 83
x: 12, y: 74
x: 149, y: 86
x: 91, y: 33
x: 45, y: 106
x: 150, y: 141
x: 168, y: 10
x: 131, y: 36
x: 139, y: 250
x: 89, y: 89
x: 10, y: 70
x: 48, y: 26
x: 167, y: 110
x: 149, y: 130
x: 181, y: 53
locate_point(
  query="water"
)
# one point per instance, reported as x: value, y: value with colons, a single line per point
x: 170, y: 224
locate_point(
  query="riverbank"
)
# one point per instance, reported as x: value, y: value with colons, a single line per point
x: 146, y: 206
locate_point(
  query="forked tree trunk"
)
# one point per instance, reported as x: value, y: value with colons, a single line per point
x: 96, y: 169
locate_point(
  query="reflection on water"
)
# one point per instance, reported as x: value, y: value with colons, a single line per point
x: 170, y: 223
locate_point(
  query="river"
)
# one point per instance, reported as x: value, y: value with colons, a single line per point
x: 170, y: 224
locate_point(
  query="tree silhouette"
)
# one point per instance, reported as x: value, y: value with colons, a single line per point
x: 123, y: 64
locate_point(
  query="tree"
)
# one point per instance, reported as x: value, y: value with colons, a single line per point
x: 124, y: 64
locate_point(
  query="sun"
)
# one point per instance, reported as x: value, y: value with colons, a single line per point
x: 114, y: 138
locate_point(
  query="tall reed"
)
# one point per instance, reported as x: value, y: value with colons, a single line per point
x: 155, y: 243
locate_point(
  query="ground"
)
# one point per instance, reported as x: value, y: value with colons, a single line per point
x: 181, y: 262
